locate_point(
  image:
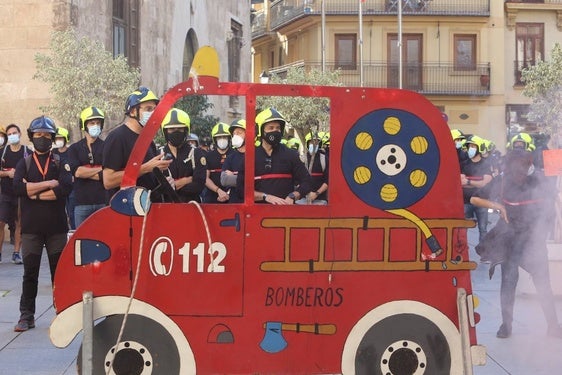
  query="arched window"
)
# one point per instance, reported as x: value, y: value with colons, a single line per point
x: 191, y: 46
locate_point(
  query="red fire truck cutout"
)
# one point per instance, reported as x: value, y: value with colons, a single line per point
x: 377, y: 281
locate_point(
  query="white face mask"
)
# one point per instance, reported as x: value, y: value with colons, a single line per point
x: 222, y: 143
x: 237, y: 141
x: 94, y: 131
x: 59, y: 144
x: 1, y: 141
x: 13, y: 138
x: 458, y: 144
x: 471, y: 152
x: 312, y: 148
x: 144, y: 118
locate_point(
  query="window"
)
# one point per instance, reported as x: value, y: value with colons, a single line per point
x: 529, y: 48
x: 346, y: 51
x: 234, y: 45
x: 125, y: 30
x: 190, y: 46
x: 465, y: 51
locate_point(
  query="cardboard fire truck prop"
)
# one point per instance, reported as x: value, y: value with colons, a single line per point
x: 376, y: 281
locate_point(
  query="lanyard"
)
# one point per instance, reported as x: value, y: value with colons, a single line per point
x: 43, y: 171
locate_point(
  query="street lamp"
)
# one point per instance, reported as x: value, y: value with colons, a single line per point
x: 264, y: 77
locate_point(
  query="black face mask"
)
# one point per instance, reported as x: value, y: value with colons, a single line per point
x: 176, y: 139
x: 42, y: 144
x: 273, y: 138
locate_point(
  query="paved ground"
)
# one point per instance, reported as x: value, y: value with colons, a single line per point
x: 528, y: 351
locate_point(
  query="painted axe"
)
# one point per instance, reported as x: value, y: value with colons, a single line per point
x: 274, y: 342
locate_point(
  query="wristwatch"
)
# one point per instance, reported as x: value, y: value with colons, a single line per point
x: 264, y: 196
x: 292, y: 196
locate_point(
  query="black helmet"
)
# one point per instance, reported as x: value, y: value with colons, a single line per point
x: 42, y: 124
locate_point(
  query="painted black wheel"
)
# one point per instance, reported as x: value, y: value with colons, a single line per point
x: 403, y: 344
x: 390, y: 159
x: 145, y: 348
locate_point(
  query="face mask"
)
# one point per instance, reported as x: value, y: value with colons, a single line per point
x: 531, y: 170
x: 273, y: 138
x: 471, y: 152
x: 59, y: 144
x: 94, y: 131
x: 2, y: 141
x: 312, y: 148
x: 13, y: 138
x: 237, y: 141
x: 222, y: 143
x: 458, y: 144
x: 176, y: 139
x: 144, y: 118
x: 42, y: 144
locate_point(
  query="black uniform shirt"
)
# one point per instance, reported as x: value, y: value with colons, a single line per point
x: 117, y: 149
x: 281, y: 172
x: 235, y: 163
x: 215, y: 160
x: 44, y: 217
x: 474, y: 171
x: 319, y: 172
x: 9, y: 161
x: 86, y: 190
x: 190, y: 162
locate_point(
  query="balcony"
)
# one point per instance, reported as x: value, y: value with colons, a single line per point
x: 283, y: 12
x: 426, y: 78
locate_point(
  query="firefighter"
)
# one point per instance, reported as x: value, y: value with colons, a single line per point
x: 278, y: 169
x: 62, y: 142
x: 215, y: 192
x: 120, y: 141
x: 85, y: 159
x: 460, y: 139
x: 475, y: 173
x: 43, y: 182
x: 525, y: 199
x: 317, y: 166
x: 234, y: 162
x: 188, y: 167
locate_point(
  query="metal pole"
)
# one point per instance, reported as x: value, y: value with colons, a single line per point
x: 361, y: 43
x: 88, y: 329
x: 400, y: 44
x: 323, y: 36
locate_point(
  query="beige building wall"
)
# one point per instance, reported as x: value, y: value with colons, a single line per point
x: 26, y: 27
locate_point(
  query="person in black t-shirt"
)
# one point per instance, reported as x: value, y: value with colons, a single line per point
x: 119, y: 144
x: 188, y: 168
x: 43, y: 182
x: 215, y: 192
x: 12, y: 153
x: 85, y: 159
x: 278, y: 169
x: 475, y: 173
x: 317, y: 165
x: 234, y: 162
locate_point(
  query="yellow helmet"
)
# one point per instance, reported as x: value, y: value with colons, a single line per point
x: 324, y: 138
x: 91, y: 113
x: 221, y: 129
x: 62, y: 132
x: 294, y: 143
x: 478, y: 141
x: 457, y: 134
x: 312, y: 135
x: 521, y: 141
x: 240, y: 123
x: 176, y: 118
x: 269, y: 115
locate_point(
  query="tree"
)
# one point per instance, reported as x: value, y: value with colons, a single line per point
x: 81, y: 73
x: 543, y: 83
x: 303, y: 114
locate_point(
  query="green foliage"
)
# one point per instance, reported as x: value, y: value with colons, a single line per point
x: 543, y: 83
x: 82, y: 73
x: 303, y: 114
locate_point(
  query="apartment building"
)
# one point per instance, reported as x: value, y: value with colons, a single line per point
x: 465, y: 56
x: 160, y: 37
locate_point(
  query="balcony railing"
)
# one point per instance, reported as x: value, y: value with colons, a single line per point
x: 427, y: 78
x: 283, y: 12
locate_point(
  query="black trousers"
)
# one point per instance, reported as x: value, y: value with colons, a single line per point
x: 32, y: 249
